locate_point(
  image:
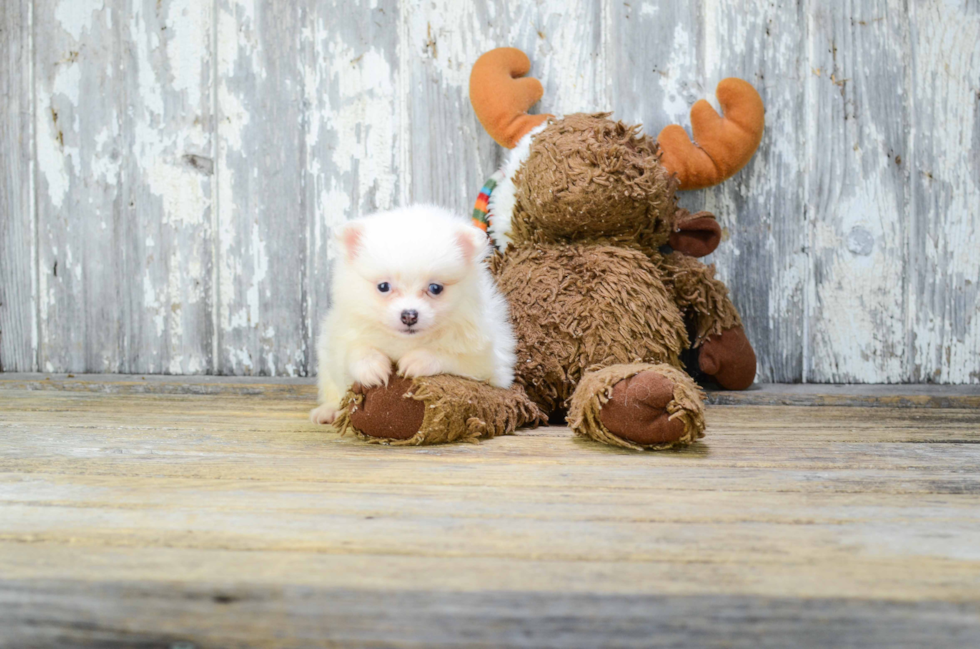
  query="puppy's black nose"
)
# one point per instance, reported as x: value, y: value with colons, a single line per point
x: 410, y: 317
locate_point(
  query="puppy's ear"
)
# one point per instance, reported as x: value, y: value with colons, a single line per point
x: 350, y: 240
x: 473, y: 243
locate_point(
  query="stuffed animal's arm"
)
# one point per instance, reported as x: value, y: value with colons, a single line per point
x: 701, y: 296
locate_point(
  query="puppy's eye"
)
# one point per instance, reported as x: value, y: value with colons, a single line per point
x: 384, y: 287
x: 435, y: 289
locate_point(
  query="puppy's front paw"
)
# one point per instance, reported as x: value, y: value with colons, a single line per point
x: 419, y: 362
x: 324, y: 415
x: 371, y: 370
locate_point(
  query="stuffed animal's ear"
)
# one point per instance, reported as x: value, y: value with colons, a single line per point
x: 722, y: 145
x: 350, y: 240
x: 501, y: 95
x: 473, y: 243
x: 696, y: 234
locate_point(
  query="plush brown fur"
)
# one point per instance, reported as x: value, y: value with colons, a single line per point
x: 453, y: 410
x: 591, y: 178
x: 583, y: 306
x: 699, y: 294
x: 594, y: 297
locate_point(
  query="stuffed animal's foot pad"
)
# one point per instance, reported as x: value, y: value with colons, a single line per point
x: 434, y: 410
x: 729, y: 359
x: 638, y: 406
x: 386, y: 412
x: 637, y: 410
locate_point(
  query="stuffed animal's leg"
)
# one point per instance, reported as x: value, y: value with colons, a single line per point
x: 434, y: 410
x: 722, y: 350
x: 638, y: 406
x: 728, y: 358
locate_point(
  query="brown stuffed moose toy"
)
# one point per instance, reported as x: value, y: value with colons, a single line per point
x: 599, y: 266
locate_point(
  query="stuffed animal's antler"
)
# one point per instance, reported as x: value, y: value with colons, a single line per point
x: 501, y: 97
x: 723, y: 145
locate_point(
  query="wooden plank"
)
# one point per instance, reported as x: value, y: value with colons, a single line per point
x: 944, y: 291
x: 229, y: 614
x: 354, y: 131
x: 857, y: 157
x: 82, y: 418
x: 810, y: 394
x: 816, y: 394
x: 232, y: 497
x: 763, y: 257
x: 124, y: 185
x: 816, y: 449
x: 374, y: 528
x: 699, y: 574
x: 263, y: 206
x: 82, y: 415
x: 18, y: 302
x: 279, y: 387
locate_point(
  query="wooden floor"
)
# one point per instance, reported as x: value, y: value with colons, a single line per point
x: 179, y: 513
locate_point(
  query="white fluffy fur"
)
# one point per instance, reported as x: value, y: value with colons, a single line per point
x: 464, y: 330
x: 503, y: 197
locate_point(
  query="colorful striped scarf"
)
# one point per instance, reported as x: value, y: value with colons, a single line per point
x: 482, y: 216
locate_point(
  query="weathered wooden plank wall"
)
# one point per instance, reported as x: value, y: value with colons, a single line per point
x: 18, y: 327
x: 764, y: 261
x: 944, y: 194
x: 172, y: 170
x: 124, y: 130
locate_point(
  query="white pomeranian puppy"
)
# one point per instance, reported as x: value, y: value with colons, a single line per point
x: 411, y: 287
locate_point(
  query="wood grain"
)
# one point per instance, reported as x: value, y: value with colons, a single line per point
x: 231, y: 615
x: 230, y: 520
x: 944, y: 285
x: 18, y: 325
x: 763, y: 257
x: 262, y: 169
x: 124, y: 185
x: 858, y: 157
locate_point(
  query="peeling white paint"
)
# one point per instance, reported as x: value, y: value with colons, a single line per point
x: 149, y: 89
x: 858, y: 322
x: 674, y: 82
x: 55, y: 105
x: 50, y: 156
x: 152, y: 302
x: 181, y: 191
x: 762, y: 256
x: 75, y: 16
x: 188, y: 23
x: 260, y: 269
